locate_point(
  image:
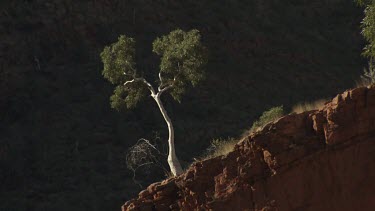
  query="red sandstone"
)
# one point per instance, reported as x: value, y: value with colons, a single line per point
x: 317, y: 160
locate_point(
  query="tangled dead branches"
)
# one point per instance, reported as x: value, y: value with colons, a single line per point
x: 144, y: 155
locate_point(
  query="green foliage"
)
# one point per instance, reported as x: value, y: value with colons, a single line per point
x: 267, y: 117
x: 118, y: 60
x: 368, y: 28
x: 128, y: 96
x: 182, y: 59
x: 364, y: 2
x: 368, y: 31
x: 119, y: 67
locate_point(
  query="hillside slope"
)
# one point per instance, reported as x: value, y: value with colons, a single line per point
x: 317, y: 160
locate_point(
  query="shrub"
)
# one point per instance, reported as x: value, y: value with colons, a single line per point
x: 368, y: 76
x: 267, y: 117
x: 145, y: 157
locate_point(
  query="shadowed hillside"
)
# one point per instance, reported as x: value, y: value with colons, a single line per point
x: 62, y: 147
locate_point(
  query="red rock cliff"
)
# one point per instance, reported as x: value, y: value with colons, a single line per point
x: 317, y: 160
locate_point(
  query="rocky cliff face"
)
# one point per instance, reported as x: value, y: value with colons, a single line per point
x: 316, y: 160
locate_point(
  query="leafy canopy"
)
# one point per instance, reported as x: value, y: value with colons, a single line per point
x: 368, y: 32
x: 182, y: 60
x: 364, y: 2
x: 368, y: 27
x: 118, y: 60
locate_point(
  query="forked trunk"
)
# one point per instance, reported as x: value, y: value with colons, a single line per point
x: 173, y: 162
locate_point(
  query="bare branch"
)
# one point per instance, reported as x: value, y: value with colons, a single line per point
x: 144, y: 155
x: 161, y: 82
x: 161, y: 90
x: 149, y: 86
x: 148, y: 142
x: 165, y: 89
x: 152, y: 90
x: 128, y: 82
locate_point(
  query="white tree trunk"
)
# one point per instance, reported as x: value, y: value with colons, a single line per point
x: 173, y: 162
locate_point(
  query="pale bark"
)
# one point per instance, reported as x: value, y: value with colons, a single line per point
x: 173, y: 162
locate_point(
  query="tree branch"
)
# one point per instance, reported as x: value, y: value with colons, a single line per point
x: 165, y: 89
x: 161, y: 82
x: 152, y: 90
x: 129, y: 82
x: 161, y: 90
x: 149, y: 86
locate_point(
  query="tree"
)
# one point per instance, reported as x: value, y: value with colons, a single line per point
x: 368, y: 32
x: 182, y: 60
x: 368, y: 27
x: 363, y: 2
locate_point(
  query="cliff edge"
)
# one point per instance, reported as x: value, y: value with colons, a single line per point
x: 317, y: 160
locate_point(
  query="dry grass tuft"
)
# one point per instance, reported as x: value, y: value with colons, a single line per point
x: 362, y: 83
x: 219, y: 147
x: 308, y: 106
x: 368, y: 76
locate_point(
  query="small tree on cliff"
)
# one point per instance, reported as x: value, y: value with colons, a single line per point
x: 182, y: 59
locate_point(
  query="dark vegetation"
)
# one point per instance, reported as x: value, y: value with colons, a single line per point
x: 63, y: 148
x: 368, y: 32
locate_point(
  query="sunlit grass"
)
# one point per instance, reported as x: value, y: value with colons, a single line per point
x: 308, y: 106
x: 219, y: 147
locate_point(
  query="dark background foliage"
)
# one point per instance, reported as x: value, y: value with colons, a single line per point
x: 62, y: 147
